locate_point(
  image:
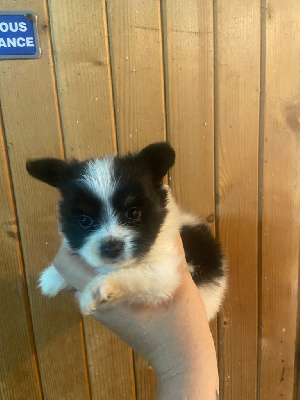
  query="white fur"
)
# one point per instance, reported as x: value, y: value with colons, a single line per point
x: 189, y: 219
x: 213, y: 293
x: 98, y: 176
x: 90, y: 250
x: 212, y: 296
x: 91, y: 297
x: 51, y: 282
x: 143, y: 284
x: 154, y: 279
x: 151, y: 281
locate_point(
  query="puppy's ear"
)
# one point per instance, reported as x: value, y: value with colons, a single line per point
x: 49, y: 170
x: 157, y: 158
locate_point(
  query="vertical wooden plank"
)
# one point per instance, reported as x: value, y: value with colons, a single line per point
x: 189, y: 61
x: 110, y: 363
x: 84, y: 87
x: 135, y: 38
x: 19, y: 375
x: 238, y: 61
x: 297, y: 351
x: 136, y: 54
x: 82, y: 71
x: 31, y: 123
x: 280, y: 223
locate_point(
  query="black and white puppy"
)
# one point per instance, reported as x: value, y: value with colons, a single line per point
x: 116, y: 213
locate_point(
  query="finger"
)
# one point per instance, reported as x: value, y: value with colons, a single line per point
x: 73, y: 269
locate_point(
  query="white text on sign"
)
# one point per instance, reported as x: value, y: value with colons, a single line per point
x: 15, y: 42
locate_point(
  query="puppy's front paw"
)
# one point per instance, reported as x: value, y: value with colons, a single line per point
x: 51, y: 282
x: 98, y: 291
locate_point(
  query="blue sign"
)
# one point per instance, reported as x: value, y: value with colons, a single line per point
x: 18, y: 35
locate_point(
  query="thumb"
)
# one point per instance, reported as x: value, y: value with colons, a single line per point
x: 76, y: 272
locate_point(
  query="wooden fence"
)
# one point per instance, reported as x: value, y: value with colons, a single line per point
x: 220, y: 81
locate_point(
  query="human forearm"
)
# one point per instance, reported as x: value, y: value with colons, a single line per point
x: 194, y: 382
x: 187, y: 387
x: 187, y: 369
x: 174, y: 337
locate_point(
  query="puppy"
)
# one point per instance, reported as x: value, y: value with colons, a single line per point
x: 116, y: 213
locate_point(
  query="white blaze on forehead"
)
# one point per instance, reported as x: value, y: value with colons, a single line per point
x: 99, y: 177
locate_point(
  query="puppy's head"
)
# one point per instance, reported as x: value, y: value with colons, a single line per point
x: 111, y: 208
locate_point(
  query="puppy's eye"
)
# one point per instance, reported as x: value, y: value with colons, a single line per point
x: 85, y: 222
x: 133, y: 213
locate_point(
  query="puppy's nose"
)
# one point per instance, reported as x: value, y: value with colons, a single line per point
x: 111, y: 248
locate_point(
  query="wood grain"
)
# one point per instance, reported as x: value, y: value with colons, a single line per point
x: 83, y: 77
x: 136, y: 54
x: 280, y: 219
x: 238, y: 36
x: 123, y: 75
x: 137, y: 72
x: 189, y: 70
x: 85, y: 92
x: 19, y: 375
x: 31, y: 124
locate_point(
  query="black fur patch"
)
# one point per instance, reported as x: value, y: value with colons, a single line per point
x: 138, y: 180
x: 136, y: 189
x: 202, y: 251
x: 53, y: 171
x: 157, y: 158
x: 77, y: 201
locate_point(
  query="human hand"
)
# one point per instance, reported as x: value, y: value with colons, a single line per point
x: 173, y: 337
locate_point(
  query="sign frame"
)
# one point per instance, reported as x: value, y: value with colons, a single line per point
x: 32, y: 17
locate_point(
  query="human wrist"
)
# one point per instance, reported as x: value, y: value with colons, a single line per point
x: 192, y: 376
x: 195, y: 383
x: 186, y: 364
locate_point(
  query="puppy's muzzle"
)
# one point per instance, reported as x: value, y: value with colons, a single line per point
x: 111, y: 248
